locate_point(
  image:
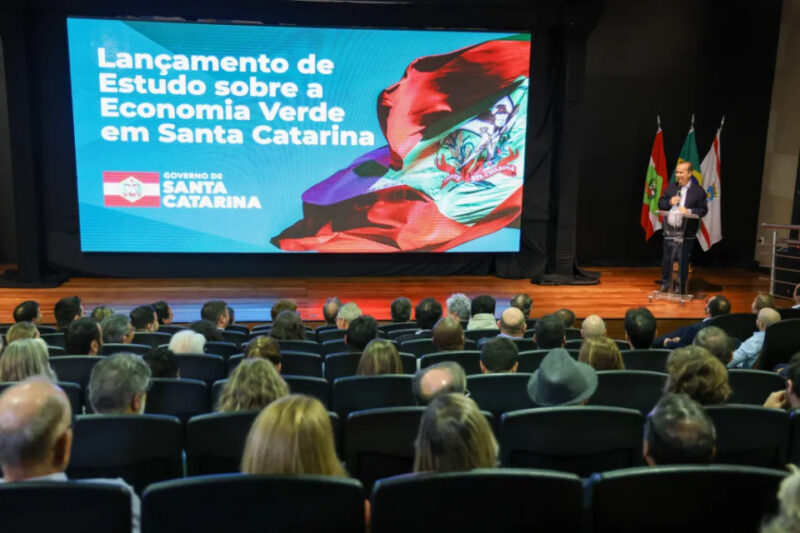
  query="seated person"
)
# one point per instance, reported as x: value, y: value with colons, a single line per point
x: 746, y: 355
x: 762, y: 301
x: 360, y: 332
x: 523, y: 302
x: 187, y: 342
x: 426, y: 314
x: 694, y: 371
x: 330, y: 311
x: 117, y: 329
x: 454, y: 436
x: 84, y: 337
x: 640, y: 328
x: 715, y: 306
x: 100, y: 312
x: 144, y: 319
x: 786, y: 398
x: 448, y: 335
x: 162, y: 363
x: 347, y: 313
x: 560, y: 380
x: 208, y: 330
x: 118, y: 385
x: 441, y: 378
x: 288, y: 327
x: 379, y: 357
x: 22, y: 330
x: 499, y: 355
x: 281, y: 306
x: 601, y: 353
x: 548, y: 333
x: 593, y: 326
x: 254, y: 384
x: 264, y: 347
x: 459, y: 306
x: 788, y: 518
x: 28, y: 311
x: 163, y: 312
x: 66, y: 310
x: 482, y: 310
x: 25, y: 358
x: 400, y: 310
x: 678, y: 431
x: 567, y: 317
x: 716, y: 341
x: 216, y: 312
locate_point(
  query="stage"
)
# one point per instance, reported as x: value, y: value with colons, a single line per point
x: 252, y: 298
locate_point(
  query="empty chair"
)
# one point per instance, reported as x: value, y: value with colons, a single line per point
x: 356, y: 393
x: 333, y: 346
x: 480, y: 500
x: 738, y: 325
x: 524, y: 344
x: 236, y: 337
x: 477, y: 334
x: 183, y: 398
x: 632, y: 389
x: 572, y: 334
x: 750, y: 435
x: 215, y: 442
x: 379, y: 443
x: 55, y: 339
x: 339, y: 365
x: 72, y: 390
x: 223, y: 349
x: 152, y: 339
x: 396, y: 333
x: 470, y: 360
x: 781, y: 342
x: 331, y: 334
x: 205, y: 367
x: 141, y: 449
x: 680, y: 498
x: 386, y: 328
x: 581, y: 440
x: 530, y: 360
x: 499, y: 393
x: 233, y: 362
x: 171, y: 329
x: 277, y: 503
x: 216, y: 391
x: 789, y: 313
x: 74, y: 368
x: 111, y: 348
x: 301, y: 364
x: 310, y: 386
x: 654, y: 360
x: 62, y: 505
x: 753, y: 386
x: 56, y: 351
x: 299, y: 346
x: 418, y: 347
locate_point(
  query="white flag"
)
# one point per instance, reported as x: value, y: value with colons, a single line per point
x: 711, y: 224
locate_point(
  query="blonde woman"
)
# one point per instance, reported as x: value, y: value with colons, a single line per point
x: 454, y: 436
x: 380, y: 357
x: 263, y: 347
x: 788, y: 519
x: 694, y: 371
x: 25, y: 358
x: 22, y: 330
x: 253, y: 385
x: 601, y: 353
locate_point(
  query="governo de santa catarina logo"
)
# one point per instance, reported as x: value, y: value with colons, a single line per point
x: 131, y: 189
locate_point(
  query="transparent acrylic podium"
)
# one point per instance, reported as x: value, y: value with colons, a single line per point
x: 674, y: 227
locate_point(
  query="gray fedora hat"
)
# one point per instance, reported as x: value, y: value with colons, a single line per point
x: 561, y: 380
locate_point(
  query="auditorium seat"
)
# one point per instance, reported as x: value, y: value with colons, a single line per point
x: 236, y: 337
x: 379, y: 443
x: 418, y: 347
x: 72, y: 390
x: 482, y: 500
x: 794, y: 442
x: 477, y: 334
x: 325, y: 327
x: 170, y: 329
x: 331, y: 335
x: 277, y: 503
x: 152, y: 339
x: 740, y: 326
x: 301, y: 364
x: 56, y: 351
x: 530, y: 323
x: 215, y: 442
x: 386, y: 328
x: 470, y: 360
x: 238, y: 328
x: 631, y: 389
x: 110, y: 348
x: 529, y: 360
x: 333, y: 346
x: 339, y: 365
x: 581, y: 440
x: 223, y: 349
x: 523, y: 344
x: 55, y: 339
x: 299, y: 346
x: 781, y: 342
x: 753, y: 386
x: 233, y: 362
x: 395, y: 333
x: 204, y: 367
x: 74, y: 368
x: 654, y: 360
x: 500, y: 393
x: 183, y: 398
x: 46, y: 329
x: 65, y: 506
x: 216, y: 391
x: 141, y: 449
x: 310, y: 386
x: 576, y: 344
x: 355, y: 393
x: 789, y: 313
x: 750, y: 435
x: 683, y: 498
x: 572, y: 333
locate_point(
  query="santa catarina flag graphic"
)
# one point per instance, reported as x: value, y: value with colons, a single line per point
x: 131, y: 189
x: 451, y: 171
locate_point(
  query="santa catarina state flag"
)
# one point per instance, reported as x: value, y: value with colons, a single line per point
x: 653, y: 185
x: 131, y: 189
x: 451, y: 171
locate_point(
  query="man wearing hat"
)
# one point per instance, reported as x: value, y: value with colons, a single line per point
x: 561, y: 380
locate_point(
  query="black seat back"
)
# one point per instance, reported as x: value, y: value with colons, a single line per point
x: 72, y: 390
x: 204, y: 367
x: 355, y: 393
x: 310, y: 386
x: 753, y: 386
x: 632, y: 389
x: 477, y: 334
x: 301, y: 364
x: 183, y: 398
x: 223, y: 349
x: 524, y: 345
x: 55, y: 339
x: 331, y: 334
x: 333, y: 346
x: 74, y: 368
x: 470, y: 360
x: 738, y: 325
x: 237, y: 337
x: 653, y: 360
x: 110, y: 348
x: 215, y: 442
x: 750, y: 435
x: 418, y: 347
x: 500, y: 393
x: 299, y: 346
x: 781, y: 342
x: 529, y: 360
x: 152, y: 339
x: 339, y: 365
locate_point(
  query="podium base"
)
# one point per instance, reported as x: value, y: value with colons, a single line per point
x: 670, y: 296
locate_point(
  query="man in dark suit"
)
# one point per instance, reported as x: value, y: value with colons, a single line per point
x: 690, y: 198
x: 684, y: 336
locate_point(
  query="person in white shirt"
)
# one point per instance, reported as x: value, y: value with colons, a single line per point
x: 747, y: 353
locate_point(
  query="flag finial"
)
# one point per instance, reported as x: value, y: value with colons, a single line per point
x: 692, y: 120
x: 658, y: 120
x: 722, y: 122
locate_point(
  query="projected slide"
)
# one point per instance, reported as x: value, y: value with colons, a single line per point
x: 238, y: 138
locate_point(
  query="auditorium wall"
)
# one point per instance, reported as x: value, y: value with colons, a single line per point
x: 8, y: 241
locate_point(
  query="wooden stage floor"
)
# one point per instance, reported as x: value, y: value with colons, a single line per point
x: 252, y: 298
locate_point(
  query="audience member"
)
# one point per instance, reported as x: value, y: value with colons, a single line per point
x: 66, y: 310
x: 454, y: 436
x: 694, y: 371
x: 523, y: 302
x: 640, y: 328
x: 593, y: 326
x: 216, y: 312
x: 678, y: 431
x: 28, y: 311
x: 84, y: 337
x: 25, y: 358
x: 560, y: 380
x: 512, y: 324
x: 118, y: 385
x: 347, y: 313
x: 330, y: 310
x: 427, y: 313
x: 163, y: 312
x: 253, y: 384
x: 281, y: 306
x: 683, y: 336
x: 786, y: 398
x: 499, y: 354
x: 288, y: 326
x: 36, y: 438
x: 482, y: 310
x: 144, y: 319
x: 100, y: 312
x: 601, y: 353
x: 788, y: 518
x: 208, y: 330
x: 549, y: 333
x: 117, y: 329
x: 459, y: 306
x: 21, y: 330
x: 566, y: 316
x: 360, y: 332
x: 380, y: 356
x: 231, y: 316
x: 796, y: 297
x: 400, y: 310
x: 448, y: 335
x: 187, y: 342
x: 441, y: 378
x: 747, y: 353
x: 162, y: 363
x: 264, y: 347
x: 762, y: 301
x: 716, y: 341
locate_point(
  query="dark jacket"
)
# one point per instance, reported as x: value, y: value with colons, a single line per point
x: 696, y: 201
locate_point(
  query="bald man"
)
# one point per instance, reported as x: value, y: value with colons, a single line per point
x: 747, y: 353
x: 448, y: 335
x: 512, y: 323
x: 593, y: 326
x: 441, y: 378
x: 36, y: 436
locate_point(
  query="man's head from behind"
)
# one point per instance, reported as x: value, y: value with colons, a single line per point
x: 678, y: 431
x: 762, y: 301
x: 766, y: 317
x: 441, y: 378
x: 512, y: 322
x: 401, y: 310
x: 459, y: 306
x: 67, y: 310
x: 118, y: 384
x: 281, y: 306
x: 717, y: 305
x: 566, y: 316
x: 593, y: 326
x: 163, y: 312
x: 483, y: 304
x: 84, y: 337
x: 549, y: 332
x: 716, y: 341
x: 640, y: 327
x: 427, y: 313
x: 361, y: 331
x: 162, y: 363
x: 330, y: 309
x: 448, y: 334
x: 117, y: 329
x: 347, y: 313
x: 35, y: 430
x: 28, y: 311
x: 499, y: 354
x: 523, y: 302
x: 216, y: 312
x: 144, y: 319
